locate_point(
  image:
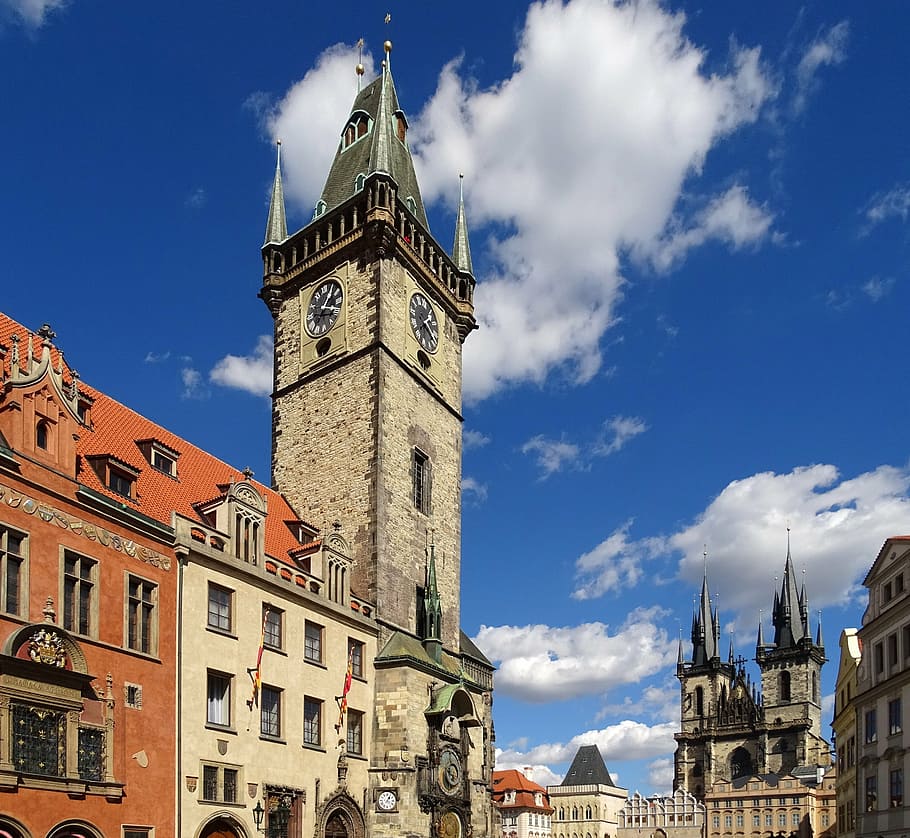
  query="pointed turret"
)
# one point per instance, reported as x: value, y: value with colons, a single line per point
x: 461, y: 249
x: 818, y: 634
x: 374, y: 141
x: 704, y: 629
x: 432, y: 609
x: 789, y: 623
x: 276, y: 228
x: 760, y: 643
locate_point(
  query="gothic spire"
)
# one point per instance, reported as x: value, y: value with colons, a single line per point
x: 374, y: 141
x: 461, y: 249
x: 789, y: 618
x: 704, y: 628
x: 276, y: 228
x: 818, y: 635
x: 432, y: 608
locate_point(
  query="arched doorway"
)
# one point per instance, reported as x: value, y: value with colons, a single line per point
x: 340, y: 817
x: 221, y: 828
x: 11, y: 829
x: 336, y: 827
x: 74, y: 829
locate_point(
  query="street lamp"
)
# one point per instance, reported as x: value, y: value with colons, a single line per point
x: 258, y: 815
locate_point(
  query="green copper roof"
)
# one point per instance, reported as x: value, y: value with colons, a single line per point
x: 378, y: 151
x: 276, y: 228
x: 461, y: 249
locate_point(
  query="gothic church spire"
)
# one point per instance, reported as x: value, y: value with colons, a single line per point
x: 461, y: 249
x: 276, y: 228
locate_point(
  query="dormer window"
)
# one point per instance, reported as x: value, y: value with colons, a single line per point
x: 358, y: 127
x: 359, y: 182
x: 160, y: 457
x: 115, y: 474
x: 401, y: 126
x: 320, y: 209
x: 119, y: 482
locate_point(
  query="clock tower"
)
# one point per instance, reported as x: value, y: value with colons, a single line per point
x: 370, y: 315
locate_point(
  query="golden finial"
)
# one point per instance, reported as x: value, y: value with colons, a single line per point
x: 359, y: 69
x: 387, y: 46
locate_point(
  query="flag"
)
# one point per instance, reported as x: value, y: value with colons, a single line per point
x: 256, y: 674
x: 343, y: 698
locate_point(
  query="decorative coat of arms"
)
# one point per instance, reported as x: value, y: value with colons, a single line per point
x: 47, y: 647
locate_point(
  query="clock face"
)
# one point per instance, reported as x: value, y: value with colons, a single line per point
x: 450, y: 826
x: 423, y: 322
x: 450, y: 773
x: 324, y: 308
x: 386, y: 801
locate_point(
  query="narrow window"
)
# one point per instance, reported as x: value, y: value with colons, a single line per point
x: 355, y: 732
x: 219, y: 613
x: 312, y: 721
x: 79, y: 594
x: 142, y: 615
x: 892, y: 650
x: 270, y: 716
x: 312, y: 648
x: 896, y: 788
x: 894, y: 717
x: 699, y: 701
x: 420, y: 468
x: 218, y: 703
x: 41, y: 435
x: 272, y: 620
x: 871, y: 793
x: 784, y: 685
x: 13, y: 551
x: 871, y: 727
x: 879, y: 659
x: 355, y: 653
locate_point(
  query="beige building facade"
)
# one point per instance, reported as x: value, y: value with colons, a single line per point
x: 882, y: 693
x: 844, y: 730
x: 587, y: 803
x: 678, y: 815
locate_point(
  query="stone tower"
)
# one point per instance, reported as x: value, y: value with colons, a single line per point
x: 370, y: 315
x: 729, y: 730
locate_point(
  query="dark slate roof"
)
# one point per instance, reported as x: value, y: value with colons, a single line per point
x: 469, y: 648
x: 378, y: 151
x: 588, y: 769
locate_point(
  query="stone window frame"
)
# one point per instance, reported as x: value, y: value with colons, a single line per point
x: 421, y: 481
x: 226, y: 701
x: 356, y: 650
x: 270, y: 715
x: 22, y: 575
x: 354, y: 743
x: 71, y: 593
x: 314, y: 642
x: 214, y: 618
x: 312, y: 728
x: 220, y: 769
x: 132, y: 605
x: 272, y: 625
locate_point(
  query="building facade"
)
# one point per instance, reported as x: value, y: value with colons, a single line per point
x: 678, y: 815
x: 882, y: 691
x: 587, y: 802
x: 314, y: 678
x: 844, y: 731
x: 523, y: 805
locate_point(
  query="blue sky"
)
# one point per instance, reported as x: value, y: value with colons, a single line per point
x: 689, y: 229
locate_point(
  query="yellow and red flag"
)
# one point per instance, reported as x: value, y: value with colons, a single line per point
x: 343, y: 698
x: 256, y: 674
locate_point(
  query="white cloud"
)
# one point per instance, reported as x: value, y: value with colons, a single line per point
x: 828, y: 706
x: 608, y: 114
x: 473, y: 490
x: 659, y: 702
x: 34, y: 12
x: 828, y: 48
x: 539, y: 663
x: 617, y: 432
x: 553, y: 455
x: 894, y: 203
x: 193, y: 387
x: 196, y: 199
x: 836, y: 523
x: 626, y: 740
x: 732, y: 218
x: 660, y: 775
x: 475, y: 439
x: 876, y: 288
x: 252, y: 373
x: 157, y: 358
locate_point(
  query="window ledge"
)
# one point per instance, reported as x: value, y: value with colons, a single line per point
x: 319, y: 664
x: 73, y: 786
x: 205, y: 802
x: 221, y: 632
x: 276, y: 739
x: 355, y: 756
x: 275, y: 649
x: 309, y: 747
x: 220, y: 728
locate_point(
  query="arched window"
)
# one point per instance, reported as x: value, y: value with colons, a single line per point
x: 784, y: 686
x: 359, y: 181
x: 574, y: 813
x: 740, y: 764
x: 41, y: 435
x: 320, y: 209
x: 588, y: 813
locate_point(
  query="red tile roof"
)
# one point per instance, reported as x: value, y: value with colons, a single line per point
x: 200, y: 477
x: 525, y: 789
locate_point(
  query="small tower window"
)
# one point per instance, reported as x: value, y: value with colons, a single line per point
x: 41, y: 435
x: 359, y: 181
x: 784, y: 683
x: 699, y: 701
x: 421, y: 480
x: 412, y: 205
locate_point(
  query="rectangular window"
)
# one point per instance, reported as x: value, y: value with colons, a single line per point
x: 892, y: 650
x: 218, y: 700
x: 39, y: 746
x: 220, y: 600
x: 794, y: 801
x: 894, y: 717
x: 871, y: 727
x: 13, y: 551
x: 851, y: 752
x: 220, y: 783
x: 871, y: 793
x: 756, y: 820
x: 272, y: 623
x: 142, y: 615
x: 355, y: 653
x: 355, y: 732
x: 270, y: 712
x: 118, y: 482
x: 162, y: 463
x: 312, y: 721
x: 896, y: 788
x: 906, y: 638
x: 899, y: 583
x: 781, y: 819
x: 716, y: 821
x: 421, y: 479
x: 851, y: 815
x: 79, y: 594
x: 769, y: 819
x: 312, y: 642
x: 794, y: 819
x: 728, y: 821
x: 739, y: 820
x: 137, y: 832
x: 879, y: 652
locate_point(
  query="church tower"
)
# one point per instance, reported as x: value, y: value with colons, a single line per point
x: 370, y: 315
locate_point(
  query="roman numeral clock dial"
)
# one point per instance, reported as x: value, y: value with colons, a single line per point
x: 324, y: 308
x: 423, y: 322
